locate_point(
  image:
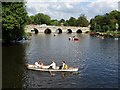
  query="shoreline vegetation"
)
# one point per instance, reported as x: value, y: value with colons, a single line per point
x: 115, y: 34
x: 107, y: 25
x: 15, y: 18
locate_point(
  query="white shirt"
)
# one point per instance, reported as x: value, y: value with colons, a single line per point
x: 63, y: 65
x: 36, y: 64
x: 53, y: 65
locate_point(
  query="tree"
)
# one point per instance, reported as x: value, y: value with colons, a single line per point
x: 40, y: 18
x: 14, y: 18
x: 92, y: 24
x: 55, y: 22
x: 72, y: 21
x: 30, y: 20
x: 82, y: 21
x: 0, y: 13
x: 62, y: 21
x: 113, y: 19
x: 107, y: 22
x: 66, y: 23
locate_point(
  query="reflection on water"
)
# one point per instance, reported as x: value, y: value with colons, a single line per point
x: 13, y: 61
x: 50, y: 80
x: 97, y: 59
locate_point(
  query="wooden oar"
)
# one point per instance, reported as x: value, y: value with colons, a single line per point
x: 52, y: 74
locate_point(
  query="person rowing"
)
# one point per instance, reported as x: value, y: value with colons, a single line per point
x: 52, y: 65
x: 70, y: 38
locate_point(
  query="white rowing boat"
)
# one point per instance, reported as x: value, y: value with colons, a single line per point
x: 45, y: 68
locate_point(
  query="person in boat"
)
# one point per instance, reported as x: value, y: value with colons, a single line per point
x: 70, y: 38
x: 40, y: 64
x: 52, y: 65
x: 37, y: 65
x: 73, y: 37
x: 55, y: 35
x: 64, y: 65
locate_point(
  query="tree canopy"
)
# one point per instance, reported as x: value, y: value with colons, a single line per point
x: 106, y: 22
x: 14, y: 18
x: 72, y: 21
x: 55, y: 22
x: 82, y: 21
x: 41, y: 18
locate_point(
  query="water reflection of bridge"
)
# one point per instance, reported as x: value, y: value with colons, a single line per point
x: 60, y: 29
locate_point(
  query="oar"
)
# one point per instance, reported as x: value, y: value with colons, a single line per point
x: 52, y: 74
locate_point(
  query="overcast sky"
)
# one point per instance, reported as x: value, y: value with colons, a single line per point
x: 58, y: 9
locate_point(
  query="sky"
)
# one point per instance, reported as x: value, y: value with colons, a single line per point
x: 64, y: 9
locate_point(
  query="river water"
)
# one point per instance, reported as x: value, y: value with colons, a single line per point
x: 96, y: 58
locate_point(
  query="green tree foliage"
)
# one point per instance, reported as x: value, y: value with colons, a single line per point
x: 62, y: 21
x: 66, y: 23
x: 82, y: 21
x: 106, y: 22
x: 14, y: 17
x: 72, y: 21
x: 30, y: 20
x: 92, y: 22
x: 55, y: 22
x: 40, y: 18
x: 0, y: 13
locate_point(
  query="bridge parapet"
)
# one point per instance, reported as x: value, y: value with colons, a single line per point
x: 54, y: 28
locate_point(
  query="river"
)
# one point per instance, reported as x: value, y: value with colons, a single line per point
x: 96, y: 58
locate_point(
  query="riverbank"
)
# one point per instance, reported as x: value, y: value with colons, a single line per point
x: 26, y: 36
x: 115, y: 34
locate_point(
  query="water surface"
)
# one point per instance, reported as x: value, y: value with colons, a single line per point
x: 97, y: 59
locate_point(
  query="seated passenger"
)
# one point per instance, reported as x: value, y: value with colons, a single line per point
x: 40, y: 64
x: 64, y: 65
x: 37, y: 65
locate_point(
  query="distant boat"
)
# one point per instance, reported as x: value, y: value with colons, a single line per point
x: 116, y: 38
x: 102, y: 37
x: 55, y: 34
x: 70, y: 38
x: 76, y: 39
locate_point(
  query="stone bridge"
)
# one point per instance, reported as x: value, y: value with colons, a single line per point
x: 59, y: 29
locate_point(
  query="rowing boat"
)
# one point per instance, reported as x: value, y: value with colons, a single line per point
x: 45, y: 68
x: 76, y: 39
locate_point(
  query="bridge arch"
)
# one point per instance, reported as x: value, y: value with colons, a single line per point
x: 47, y: 31
x: 36, y: 30
x: 59, y: 30
x: 69, y: 31
x: 79, y: 31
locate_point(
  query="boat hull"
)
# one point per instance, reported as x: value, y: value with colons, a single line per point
x: 70, y: 69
